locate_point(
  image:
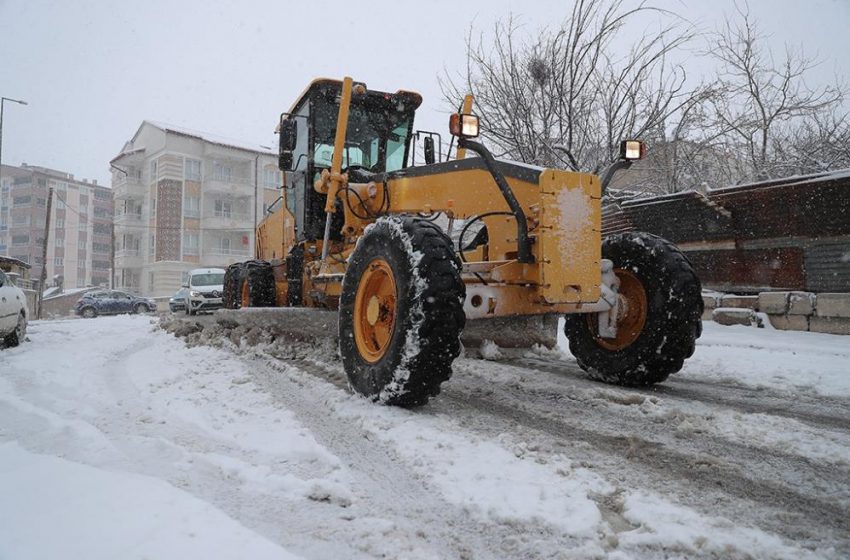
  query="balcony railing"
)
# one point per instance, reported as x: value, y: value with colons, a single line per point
x: 125, y: 217
x: 225, y: 252
x: 127, y: 253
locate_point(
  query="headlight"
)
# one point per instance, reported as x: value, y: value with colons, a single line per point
x: 193, y: 293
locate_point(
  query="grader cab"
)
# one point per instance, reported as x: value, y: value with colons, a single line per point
x: 409, y: 255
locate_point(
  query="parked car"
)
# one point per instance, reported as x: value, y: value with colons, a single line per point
x: 13, y: 312
x: 205, y: 287
x: 178, y: 300
x: 112, y: 302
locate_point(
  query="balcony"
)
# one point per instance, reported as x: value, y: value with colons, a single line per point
x: 126, y: 218
x: 128, y: 258
x: 228, y: 220
x: 233, y: 185
x: 128, y: 187
x: 219, y: 257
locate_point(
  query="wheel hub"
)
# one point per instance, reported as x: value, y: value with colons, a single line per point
x: 631, y: 313
x: 375, y: 310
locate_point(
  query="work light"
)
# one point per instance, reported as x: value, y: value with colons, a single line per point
x: 465, y: 126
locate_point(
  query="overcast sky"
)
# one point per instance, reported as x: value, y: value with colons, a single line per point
x: 93, y: 70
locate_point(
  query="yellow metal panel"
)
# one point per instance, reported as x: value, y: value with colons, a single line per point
x: 570, y: 236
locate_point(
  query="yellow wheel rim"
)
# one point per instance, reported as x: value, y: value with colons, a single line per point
x: 245, y: 296
x: 375, y: 310
x: 631, y: 317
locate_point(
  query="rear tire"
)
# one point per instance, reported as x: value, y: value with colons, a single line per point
x: 658, y: 279
x: 89, y: 312
x: 401, y: 312
x: 141, y: 308
x: 257, y: 287
x: 232, y: 281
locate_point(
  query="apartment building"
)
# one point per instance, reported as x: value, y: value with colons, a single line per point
x: 183, y: 200
x: 79, y: 247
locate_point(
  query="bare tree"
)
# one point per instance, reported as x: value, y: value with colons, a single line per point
x: 568, y: 97
x: 765, y: 100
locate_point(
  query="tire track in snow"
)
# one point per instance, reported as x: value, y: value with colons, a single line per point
x: 779, y: 483
x: 393, y: 490
x: 796, y: 406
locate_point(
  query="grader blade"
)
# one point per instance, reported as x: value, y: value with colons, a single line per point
x: 301, y: 324
x: 512, y: 332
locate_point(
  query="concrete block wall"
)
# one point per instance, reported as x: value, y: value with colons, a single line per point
x: 796, y: 311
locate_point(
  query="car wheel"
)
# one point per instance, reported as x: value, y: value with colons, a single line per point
x: 89, y: 313
x: 141, y: 308
x: 18, y: 335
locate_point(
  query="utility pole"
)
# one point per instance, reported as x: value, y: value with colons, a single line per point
x: 43, y: 279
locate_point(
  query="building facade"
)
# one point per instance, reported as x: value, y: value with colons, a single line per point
x: 79, y: 244
x: 186, y: 200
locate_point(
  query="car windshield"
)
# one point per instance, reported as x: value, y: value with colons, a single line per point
x: 211, y: 279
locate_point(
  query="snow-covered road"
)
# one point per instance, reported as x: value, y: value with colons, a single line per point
x: 119, y: 441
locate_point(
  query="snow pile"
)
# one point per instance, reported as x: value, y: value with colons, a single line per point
x: 490, y: 351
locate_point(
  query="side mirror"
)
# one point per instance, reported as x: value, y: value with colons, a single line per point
x: 288, y: 131
x: 184, y: 285
x: 288, y: 135
x: 284, y: 161
x: 428, y: 144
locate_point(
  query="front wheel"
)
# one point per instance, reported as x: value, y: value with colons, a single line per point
x: 141, y: 308
x: 659, y: 320
x: 18, y: 335
x: 401, y: 312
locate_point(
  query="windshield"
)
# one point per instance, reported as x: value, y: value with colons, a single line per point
x: 377, y: 134
x: 212, y: 279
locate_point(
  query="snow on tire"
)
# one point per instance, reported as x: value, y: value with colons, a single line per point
x: 661, y: 320
x: 401, y: 312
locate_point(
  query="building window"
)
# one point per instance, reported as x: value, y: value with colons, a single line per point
x: 153, y: 205
x: 60, y: 222
x: 192, y: 207
x: 190, y: 243
x: 20, y: 239
x: 151, y: 278
x: 22, y: 200
x: 192, y: 170
x: 20, y: 219
x: 222, y: 172
x: 60, y: 242
x: 152, y: 244
x: 223, y: 208
x: 100, y: 212
x: 153, y: 170
x: 271, y: 178
x: 224, y: 245
x: 81, y: 244
x: 58, y: 261
x: 60, y: 204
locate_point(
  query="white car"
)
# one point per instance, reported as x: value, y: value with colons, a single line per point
x: 205, y: 287
x: 13, y: 312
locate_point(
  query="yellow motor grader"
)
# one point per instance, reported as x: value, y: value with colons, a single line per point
x: 408, y: 254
